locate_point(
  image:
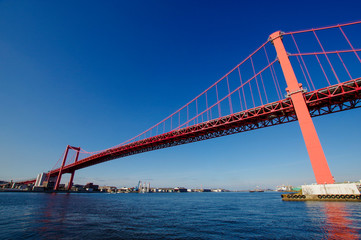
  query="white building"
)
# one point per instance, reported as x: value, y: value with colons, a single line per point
x: 40, y: 179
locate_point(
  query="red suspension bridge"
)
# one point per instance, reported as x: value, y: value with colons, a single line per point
x: 292, y: 76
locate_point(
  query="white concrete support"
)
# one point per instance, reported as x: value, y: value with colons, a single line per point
x: 328, y: 189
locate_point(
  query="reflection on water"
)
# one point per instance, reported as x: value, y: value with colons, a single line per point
x: 52, y: 215
x: 338, y: 223
x: 49, y: 217
x: 174, y: 216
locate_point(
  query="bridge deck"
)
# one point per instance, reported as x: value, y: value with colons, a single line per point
x: 340, y: 97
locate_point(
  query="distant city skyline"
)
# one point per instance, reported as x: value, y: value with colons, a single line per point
x: 94, y: 74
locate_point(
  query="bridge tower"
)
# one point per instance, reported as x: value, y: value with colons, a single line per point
x: 295, y: 92
x: 56, y: 187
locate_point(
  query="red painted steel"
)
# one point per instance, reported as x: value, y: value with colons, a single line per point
x: 336, y: 98
x: 295, y: 91
x: 26, y: 182
x: 267, y: 110
x: 323, y: 101
x: 70, y: 184
x: 60, y: 172
x: 61, y: 168
x: 324, y: 28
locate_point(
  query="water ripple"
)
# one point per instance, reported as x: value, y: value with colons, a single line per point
x: 174, y: 216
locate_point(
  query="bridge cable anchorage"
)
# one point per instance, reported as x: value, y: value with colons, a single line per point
x: 272, y: 38
x: 289, y: 94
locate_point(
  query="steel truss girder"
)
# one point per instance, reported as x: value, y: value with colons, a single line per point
x: 336, y: 98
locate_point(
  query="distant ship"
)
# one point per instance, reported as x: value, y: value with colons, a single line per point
x: 284, y: 188
x: 257, y: 190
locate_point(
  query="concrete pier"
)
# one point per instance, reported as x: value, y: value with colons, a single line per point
x: 327, y: 192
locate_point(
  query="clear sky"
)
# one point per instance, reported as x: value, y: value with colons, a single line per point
x: 96, y: 73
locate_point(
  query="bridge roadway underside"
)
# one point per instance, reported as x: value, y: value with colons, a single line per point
x: 336, y: 98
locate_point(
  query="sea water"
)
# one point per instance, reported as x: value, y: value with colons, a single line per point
x: 174, y: 216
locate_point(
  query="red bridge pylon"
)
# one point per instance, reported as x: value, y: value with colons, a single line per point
x: 77, y: 149
x: 295, y: 92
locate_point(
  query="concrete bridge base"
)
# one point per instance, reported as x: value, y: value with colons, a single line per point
x: 327, y: 192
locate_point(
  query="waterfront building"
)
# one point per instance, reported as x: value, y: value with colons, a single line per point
x: 218, y: 190
x: 180, y: 189
x: 91, y: 187
x: 109, y: 189
x: 40, y: 179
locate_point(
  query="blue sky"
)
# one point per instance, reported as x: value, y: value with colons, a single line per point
x: 94, y: 74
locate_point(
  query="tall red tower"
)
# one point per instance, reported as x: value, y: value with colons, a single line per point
x: 295, y: 92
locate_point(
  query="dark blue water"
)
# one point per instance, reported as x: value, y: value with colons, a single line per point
x: 174, y: 216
